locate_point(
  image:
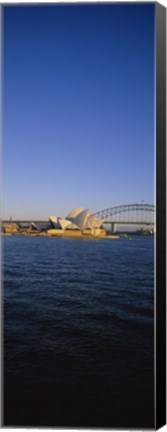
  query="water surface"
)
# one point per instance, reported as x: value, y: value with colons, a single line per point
x: 78, y: 332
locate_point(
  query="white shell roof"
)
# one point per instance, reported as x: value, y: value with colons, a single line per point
x: 72, y: 226
x: 90, y: 222
x: 81, y: 219
x: 64, y: 223
x: 93, y: 222
x: 97, y: 222
x: 74, y: 213
x: 53, y: 219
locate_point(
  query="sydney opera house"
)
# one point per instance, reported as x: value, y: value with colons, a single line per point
x: 77, y: 222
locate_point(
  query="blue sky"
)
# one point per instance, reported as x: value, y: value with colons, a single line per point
x: 78, y: 108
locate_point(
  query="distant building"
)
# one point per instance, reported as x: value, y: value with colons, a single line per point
x: 9, y: 228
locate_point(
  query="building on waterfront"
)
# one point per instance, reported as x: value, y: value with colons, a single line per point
x: 9, y: 228
x: 78, y: 221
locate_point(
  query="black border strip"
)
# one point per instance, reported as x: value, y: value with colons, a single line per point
x: 160, y: 396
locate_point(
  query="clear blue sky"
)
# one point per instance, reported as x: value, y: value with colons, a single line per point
x: 78, y: 108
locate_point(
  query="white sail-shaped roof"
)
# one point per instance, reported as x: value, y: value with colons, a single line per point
x: 93, y: 222
x: 90, y: 222
x: 97, y: 222
x: 53, y: 220
x: 33, y: 226
x: 81, y: 219
x: 64, y: 223
x: 72, y: 226
x: 100, y: 222
x: 74, y: 213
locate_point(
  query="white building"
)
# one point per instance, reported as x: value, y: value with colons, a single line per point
x: 77, y: 219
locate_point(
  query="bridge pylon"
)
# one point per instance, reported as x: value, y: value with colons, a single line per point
x: 113, y: 228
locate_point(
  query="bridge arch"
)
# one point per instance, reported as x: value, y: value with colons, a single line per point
x: 143, y: 214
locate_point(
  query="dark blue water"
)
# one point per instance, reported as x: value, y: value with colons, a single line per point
x: 78, y: 332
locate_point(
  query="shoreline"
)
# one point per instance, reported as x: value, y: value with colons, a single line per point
x: 63, y: 235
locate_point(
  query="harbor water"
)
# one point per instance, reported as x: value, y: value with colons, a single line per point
x: 78, y: 332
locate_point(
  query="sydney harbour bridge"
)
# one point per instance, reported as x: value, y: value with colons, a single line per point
x: 129, y: 214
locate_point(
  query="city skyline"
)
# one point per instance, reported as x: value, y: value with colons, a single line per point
x: 78, y: 108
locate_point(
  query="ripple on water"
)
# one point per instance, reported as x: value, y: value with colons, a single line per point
x: 78, y: 329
